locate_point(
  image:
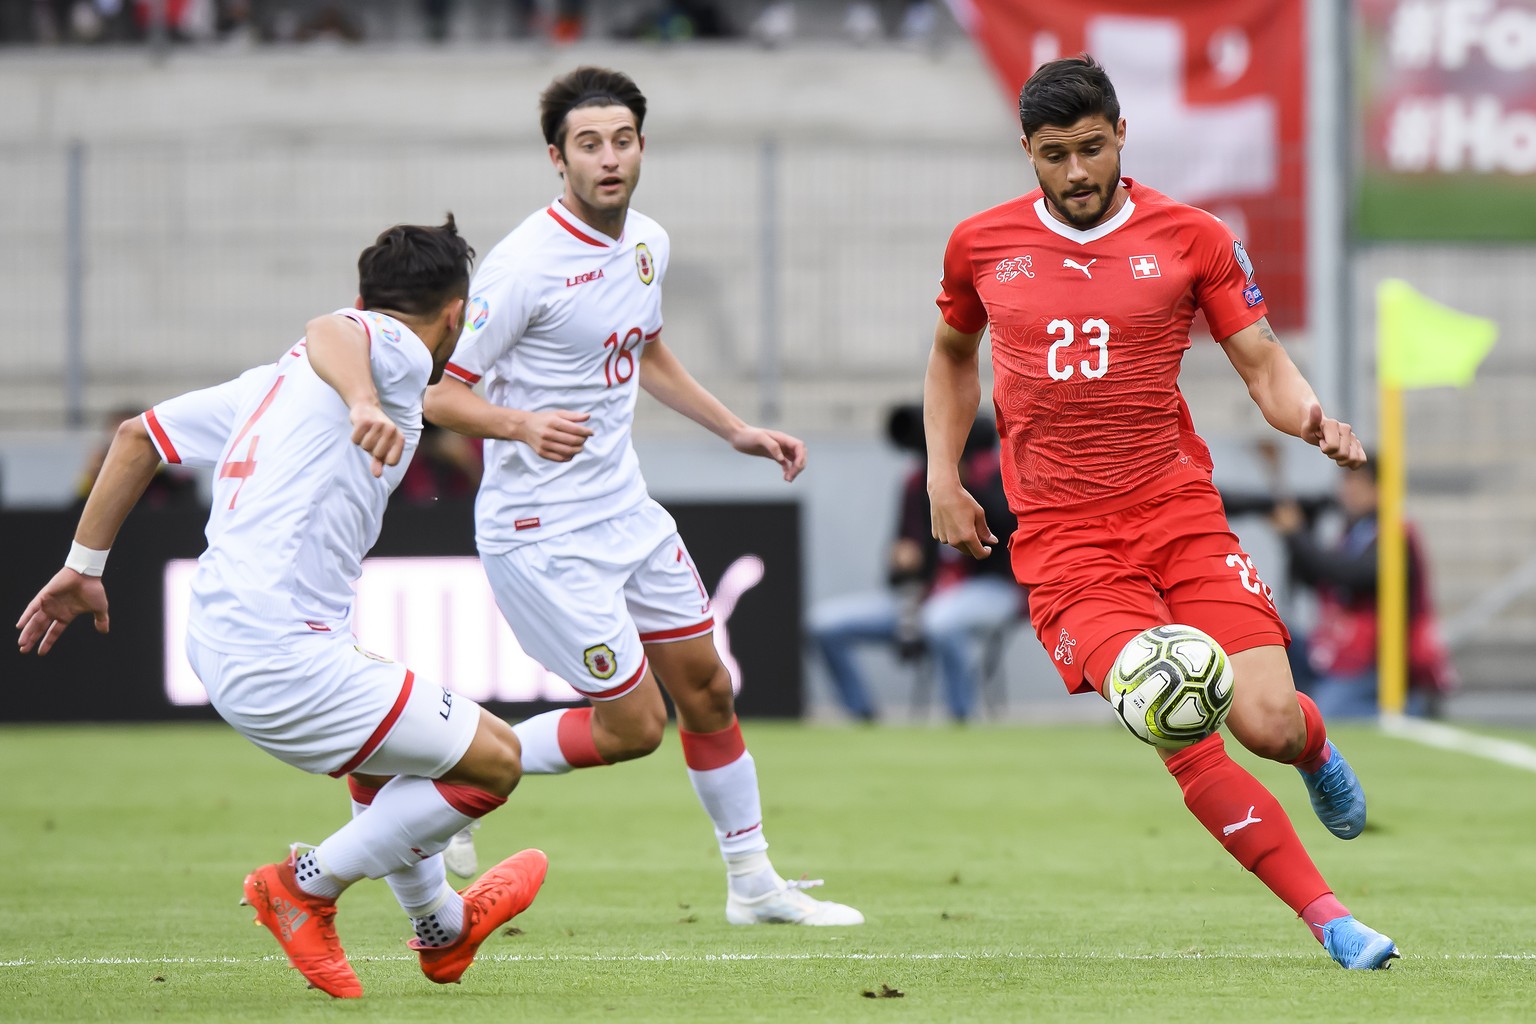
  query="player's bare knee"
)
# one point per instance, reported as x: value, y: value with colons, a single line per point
x: 1273, y: 730
x: 641, y: 736
x: 506, y: 767
x: 493, y: 761
x: 708, y: 697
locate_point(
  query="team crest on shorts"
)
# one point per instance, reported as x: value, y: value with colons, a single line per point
x: 601, y: 661
x: 370, y: 654
x: 645, y: 265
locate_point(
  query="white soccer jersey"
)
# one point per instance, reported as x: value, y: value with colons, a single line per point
x: 558, y: 314
x: 295, y: 502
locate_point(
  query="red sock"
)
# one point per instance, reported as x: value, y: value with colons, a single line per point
x: 1314, y: 753
x: 1247, y: 820
x: 705, y: 750
x: 574, y: 733
x: 363, y: 794
x: 1320, y: 911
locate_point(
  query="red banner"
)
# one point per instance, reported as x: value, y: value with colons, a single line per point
x: 1214, y: 98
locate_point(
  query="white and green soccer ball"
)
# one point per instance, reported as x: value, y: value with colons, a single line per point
x: 1171, y: 686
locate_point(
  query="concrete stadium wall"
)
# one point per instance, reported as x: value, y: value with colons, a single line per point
x: 226, y: 194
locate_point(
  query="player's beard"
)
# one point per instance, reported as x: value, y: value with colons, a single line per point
x: 1093, y: 214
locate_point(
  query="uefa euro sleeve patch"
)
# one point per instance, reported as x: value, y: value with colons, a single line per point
x: 479, y: 312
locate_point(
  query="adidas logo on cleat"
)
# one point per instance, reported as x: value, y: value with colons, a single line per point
x: 291, y: 917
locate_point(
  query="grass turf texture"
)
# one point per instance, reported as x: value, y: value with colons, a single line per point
x: 1008, y: 874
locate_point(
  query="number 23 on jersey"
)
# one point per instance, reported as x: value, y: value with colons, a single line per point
x: 1062, y: 361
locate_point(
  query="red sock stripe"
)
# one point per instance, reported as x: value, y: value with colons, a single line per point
x: 574, y: 734
x: 705, y: 750
x: 1317, y: 734
x: 382, y: 731
x: 469, y: 801
x: 363, y: 794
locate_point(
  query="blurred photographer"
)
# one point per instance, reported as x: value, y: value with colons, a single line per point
x: 937, y: 600
x: 1339, y: 654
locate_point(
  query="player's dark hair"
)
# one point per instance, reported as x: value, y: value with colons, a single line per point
x: 1063, y: 92
x: 415, y: 269
x: 587, y: 87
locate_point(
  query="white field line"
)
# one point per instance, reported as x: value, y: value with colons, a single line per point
x: 1446, y: 737
x: 702, y: 958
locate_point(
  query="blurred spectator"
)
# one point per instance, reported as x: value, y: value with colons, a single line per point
x: 676, y: 21
x: 184, y: 19
x: 938, y: 600
x: 864, y: 21
x: 66, y: 21
x: 170, y: 487
x: 447, y: 467
x: 563, y: 21
x: 1337, y: 660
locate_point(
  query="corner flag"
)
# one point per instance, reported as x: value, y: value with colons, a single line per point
x: 1422, y: 344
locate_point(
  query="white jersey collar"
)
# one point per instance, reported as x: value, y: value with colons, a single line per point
x: 581, y: 229
x: 1093, y: 234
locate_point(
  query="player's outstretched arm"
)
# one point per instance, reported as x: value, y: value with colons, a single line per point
x: 1284, y: 396
x: 951, y: 394
x: 338, y: 353
x: 557, y: 434
x: 77, y: 589
x: 665, y: 378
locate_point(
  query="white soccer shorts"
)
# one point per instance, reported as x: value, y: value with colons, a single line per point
x: 584, y: 604
x: 329, y: 707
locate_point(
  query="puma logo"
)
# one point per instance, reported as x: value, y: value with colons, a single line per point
x: 1080, y: 266
x: 1238, y: 826
x: 739, y: 577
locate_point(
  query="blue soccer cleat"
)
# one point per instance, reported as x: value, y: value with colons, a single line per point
x: 1357, y: 948
x: 1337, y: 799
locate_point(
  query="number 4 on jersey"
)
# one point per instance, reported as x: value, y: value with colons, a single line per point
x: 243, y: 469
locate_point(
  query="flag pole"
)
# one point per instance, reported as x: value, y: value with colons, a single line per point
x: 1391, y: 557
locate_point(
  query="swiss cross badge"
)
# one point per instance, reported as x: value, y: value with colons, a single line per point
x: 1145, y: 266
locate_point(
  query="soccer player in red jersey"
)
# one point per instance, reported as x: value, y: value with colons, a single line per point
x: 1088, y: 285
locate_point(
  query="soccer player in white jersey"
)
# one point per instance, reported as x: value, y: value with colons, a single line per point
x: 307, y: 451
x: 564, y: 326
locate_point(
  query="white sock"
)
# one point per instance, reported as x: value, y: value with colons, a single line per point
x: 441, y: 927
x: 751, y: 874
x: 315, y: 880
x: 422, y: 888
x: 730, y: 798
x: 540, y: 737
x: 407, y: 823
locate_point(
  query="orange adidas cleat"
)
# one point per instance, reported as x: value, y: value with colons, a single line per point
x: 499, y: 895
x: 304, y: 926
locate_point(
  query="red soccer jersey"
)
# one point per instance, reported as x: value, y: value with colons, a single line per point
x: 1088, y: 330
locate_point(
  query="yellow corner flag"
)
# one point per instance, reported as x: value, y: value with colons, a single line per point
x: 1422, y: 344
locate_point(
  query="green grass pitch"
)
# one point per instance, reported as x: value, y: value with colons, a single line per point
x: 1008, y: 874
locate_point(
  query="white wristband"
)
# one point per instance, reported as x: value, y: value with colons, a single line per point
x: 86, y: 561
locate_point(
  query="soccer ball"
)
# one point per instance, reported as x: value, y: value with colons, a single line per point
x: 1171, y: 686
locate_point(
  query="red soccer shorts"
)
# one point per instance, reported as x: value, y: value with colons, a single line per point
x: 1096, y: 582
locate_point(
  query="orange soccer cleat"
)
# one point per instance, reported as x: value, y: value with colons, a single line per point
x: 499, y: 895
x: 304, y: 926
